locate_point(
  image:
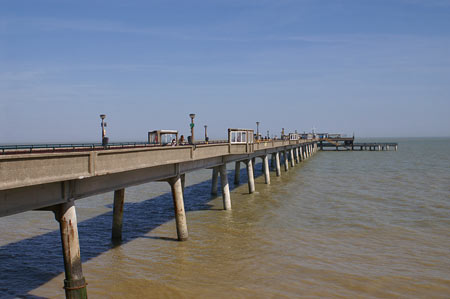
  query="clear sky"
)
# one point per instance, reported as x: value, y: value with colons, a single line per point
x: 372, y: 67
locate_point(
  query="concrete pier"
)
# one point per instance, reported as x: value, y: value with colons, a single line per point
x: 214, y: 180
x: 74, y: 284
x: 251, y: 178
x: 225, y: 187
x: 119, y: 197
x: 277, y: 164
x: 178, y: 202
x: 266, y: 169
x: 237, y: 173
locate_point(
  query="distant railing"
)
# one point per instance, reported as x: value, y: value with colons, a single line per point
x: 64, y: 147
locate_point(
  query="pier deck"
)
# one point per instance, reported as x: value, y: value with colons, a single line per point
x: 53, y: 177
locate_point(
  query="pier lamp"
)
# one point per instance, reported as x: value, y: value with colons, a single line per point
x: 268, y: 135
x: 103, y: 125
x: 206, y: 134
x: 257, y: 130
x: 192, y: 116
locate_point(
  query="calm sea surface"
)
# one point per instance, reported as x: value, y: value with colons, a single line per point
x: 341, y: 224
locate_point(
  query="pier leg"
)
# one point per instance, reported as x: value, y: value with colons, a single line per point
x: 292, y: 158
x: 286, y: 161
x: 74, y: 284
x: 272, y: 161
x: 266, y: 169
x: 253, y: 165
x: 178, y: 203
x: 119, y: 197
x: 215, y: 178
x: 237, y: 173
x: 251, y: 178
x: 300, y: 153
x: 225, y: 187
x: 277, y: 163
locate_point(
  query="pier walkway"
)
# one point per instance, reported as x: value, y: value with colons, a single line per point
x: 53, y: 177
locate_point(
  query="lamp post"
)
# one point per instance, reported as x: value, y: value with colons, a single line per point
x: 268, y: 136
x: 192, y: 116
x: 257, y: 130
x: 103, y: 125
x: 206, y: 134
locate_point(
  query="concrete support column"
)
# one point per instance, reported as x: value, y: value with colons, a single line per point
x: 119, y: 197
x: 253, y: 164
x: 272, y: 161
x: 251, y: 178
x: 300, y: 153
x: 277, y: 163
x: 225, y: 187
x: 286, y: 161
x: 292, y: 158
x: 266, y: 169
x: 297, y: 155
x: 74, y: 284
x: 178, y: 203
x: 396, y: 147
x: 237, y: 173
x: 214, y: 180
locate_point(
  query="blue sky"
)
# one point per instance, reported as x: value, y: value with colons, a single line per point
x: 372, y: 67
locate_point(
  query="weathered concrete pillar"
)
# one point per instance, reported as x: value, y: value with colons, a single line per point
x: 237, y: 173
x: 178, y: 203
x: 225, y: 187
x: 74, y: 284
x: 272, y: 161
x: 292, y: 157
x: 277, y: 163
x: 214, y: 180
x: 253, y: 164
x: 119, y: 197
x: 297, y: 157
x: 396, y: 147
x: 251, y: 178
x: 286, y: 161
x: 266, y: 169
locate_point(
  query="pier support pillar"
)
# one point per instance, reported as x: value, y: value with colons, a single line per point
x: 253, y: 165
x: 272, y: 161
x: 286, y: 161
x: 225, y: 187
x: 74, y: 284
x: 266, y: 169
x: 119, y: 197
x: 292, y: 158
x: 178, y: 203
x: 214, y: 180
x: 251, y: 178
x: 277, y: 163
x: 237, y: 173
x: 300, y: 153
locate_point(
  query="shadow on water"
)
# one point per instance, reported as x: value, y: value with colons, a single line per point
x: 27, y: 264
